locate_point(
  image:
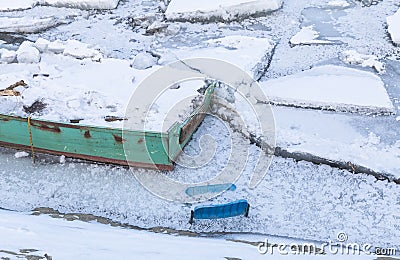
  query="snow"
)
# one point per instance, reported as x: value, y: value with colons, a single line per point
x: 62, y: 239
x: 393, y: 22
x: 331, y: 87
x: 21, y: 154
x: 307, y: 35
x: 354, y: 58
x: 220, y: 9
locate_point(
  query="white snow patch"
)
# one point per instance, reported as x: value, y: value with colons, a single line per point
x: 222, y: 9
x: 354, y: 58
x: 398, y: 118
x: 394, y: 27
x: 27, y: 24
x: 26, y: 53
x: 21, y: 154
x: 338, y: 3
x: 307, y: 35
x: 331, y: 87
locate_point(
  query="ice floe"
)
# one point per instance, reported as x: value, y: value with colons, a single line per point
x: 6, y: 5
x: 28, y: 24
x: 219, y: 9
x: 394, y: 27
x: 246, y: 52
x: 331, y: 87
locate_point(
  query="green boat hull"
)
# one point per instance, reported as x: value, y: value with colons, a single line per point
x: 100, y: 144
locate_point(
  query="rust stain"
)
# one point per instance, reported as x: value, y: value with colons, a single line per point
x: 5, y: 119
x: 45, y: 127
x: 87, y: 134
x: 140, y: 141
x: 118, y: 138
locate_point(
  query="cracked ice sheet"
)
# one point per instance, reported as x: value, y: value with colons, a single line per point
x: 246, y: 52
x: 331, y: 87
x: 221, y: 9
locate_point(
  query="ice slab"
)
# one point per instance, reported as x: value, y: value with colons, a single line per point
x: 218, y: 9
x: 331, y: 87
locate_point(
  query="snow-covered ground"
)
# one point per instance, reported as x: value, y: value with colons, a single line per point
x: 290, y: 47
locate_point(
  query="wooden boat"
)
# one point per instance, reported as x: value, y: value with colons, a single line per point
x: 147, y: 149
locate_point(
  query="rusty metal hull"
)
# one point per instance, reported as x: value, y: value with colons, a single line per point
x: 157, y: 150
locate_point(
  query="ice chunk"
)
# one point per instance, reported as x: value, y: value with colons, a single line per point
x: 338, y: 3
x: 355, y: 58
x: 218, y: 9
x: 41, y: 44
x: 81, y: 50
x: 56, y: 47
x: 143, y: 61
x: 7, y: 56
x: 331, y: 87
x: 26, y: 53
x: 394, y: 27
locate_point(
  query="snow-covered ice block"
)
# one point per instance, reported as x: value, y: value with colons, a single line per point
x: 394, y: 27
x: 307, y: 35
x: 27, y: 53
x: 143, y: 60
x: 7, y: 56
x: 84, y: 4
x: 338, y: 3
x: 28, y: 24
x: 7, y: 5
x: 218, y: 9
x: 331, y: 87
x: 81, y: 50
x: 21, y: 154
x: 41, y: 44
x: 246, y: 52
